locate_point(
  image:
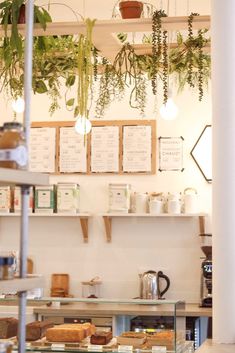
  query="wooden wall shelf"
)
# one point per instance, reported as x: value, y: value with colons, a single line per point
x: 83, y: 217
x: 22, y: 177
x: 107, y: 217
x: 104, y: 34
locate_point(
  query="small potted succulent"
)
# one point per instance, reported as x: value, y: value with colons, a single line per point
x: 130, y: 9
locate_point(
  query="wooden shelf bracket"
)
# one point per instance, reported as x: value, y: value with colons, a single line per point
x: 84, y: 226
x: 108, y: 227
x: 201, y: 224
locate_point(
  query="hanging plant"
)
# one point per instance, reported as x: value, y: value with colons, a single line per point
x: 111, y: 88
x: 156, y: 45
x: 200, y: 64
x: 85, y: 71
x: 190, y: 52
x: 179, y: 61
x: 165, y: 68
x: 127, y: 67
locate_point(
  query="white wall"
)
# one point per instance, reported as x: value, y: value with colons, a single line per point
x: 171, y: 245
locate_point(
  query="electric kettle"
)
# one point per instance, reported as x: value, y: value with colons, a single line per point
x: 150, y: 285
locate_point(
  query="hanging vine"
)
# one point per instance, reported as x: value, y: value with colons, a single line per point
x: 200, y: 64
x: 190, y: 52
x: 165, y: 68
x: 156, y: 45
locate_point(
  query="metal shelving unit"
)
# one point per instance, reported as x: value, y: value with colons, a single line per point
x: 24, y: 179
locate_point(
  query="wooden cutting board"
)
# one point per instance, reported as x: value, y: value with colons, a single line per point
x: 60, y: 281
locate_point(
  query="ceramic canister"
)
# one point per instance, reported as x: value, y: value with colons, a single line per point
x: 140, y: 202
x: 190, y: 200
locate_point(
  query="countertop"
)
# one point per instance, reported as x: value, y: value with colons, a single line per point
x: 210, y: 347
x: 76, y: 309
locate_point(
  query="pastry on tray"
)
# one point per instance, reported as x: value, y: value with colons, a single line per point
x: 101, y: 337
x: 130, y: 338
x: 162, y: 338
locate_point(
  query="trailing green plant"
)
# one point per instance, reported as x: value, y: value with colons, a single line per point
x: 180, y: 62
x: 190, y: 53
x: 165, y: 67
x: 156, y: 45
x: 111, y: 87
x: 127, y: 67
x: 12, y: 12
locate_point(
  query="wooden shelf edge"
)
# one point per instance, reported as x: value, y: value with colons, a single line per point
x: 21, y: 284
x: 74, y: 215
x: 160, y: 215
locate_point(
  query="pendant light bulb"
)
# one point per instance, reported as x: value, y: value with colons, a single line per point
x: 83, y: 126
x: 169, y: 110
x: 18, y: 105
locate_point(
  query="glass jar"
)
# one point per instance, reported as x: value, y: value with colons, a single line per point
x: 13, y: 153
x: 6, y: 267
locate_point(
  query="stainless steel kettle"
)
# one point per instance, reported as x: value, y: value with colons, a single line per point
x: 150, y: 285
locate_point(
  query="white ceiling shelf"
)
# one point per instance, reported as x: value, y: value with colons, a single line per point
x: 21, y: 284
x: 83, y: 217
x: 107, y: 217
x: 22, y: 177
x: 105, y: 31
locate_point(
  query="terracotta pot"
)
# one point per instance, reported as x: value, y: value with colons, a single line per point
x: 22, y: 18
x: 131, y: 9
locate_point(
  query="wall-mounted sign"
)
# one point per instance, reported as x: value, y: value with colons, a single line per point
x: 171, y: 153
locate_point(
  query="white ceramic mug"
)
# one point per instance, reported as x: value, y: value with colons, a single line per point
x: 174, y: 206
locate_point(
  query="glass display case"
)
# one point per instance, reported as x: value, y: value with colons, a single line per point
x: 96, y: 317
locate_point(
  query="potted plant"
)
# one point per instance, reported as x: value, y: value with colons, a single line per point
x: 130, y: 9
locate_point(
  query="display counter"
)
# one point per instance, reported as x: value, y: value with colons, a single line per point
x: 211, y: 347
x: 110, y: 309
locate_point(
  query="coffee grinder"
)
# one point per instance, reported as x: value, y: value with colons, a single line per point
x: 206, y: 272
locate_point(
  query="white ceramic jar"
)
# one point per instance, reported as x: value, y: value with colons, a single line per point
x: 190, y: 200
x: 140, y: 202
x: 156, y: 203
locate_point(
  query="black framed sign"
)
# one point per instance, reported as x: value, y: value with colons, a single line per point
x: 171, y: 153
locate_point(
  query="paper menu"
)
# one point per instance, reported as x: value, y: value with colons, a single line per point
x: 42, y: 149
x: 105, y: 149
x: 137, y: 146
x: 73, y: 151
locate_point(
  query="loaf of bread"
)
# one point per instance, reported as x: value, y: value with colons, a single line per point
x: 37, y: 329
x: 8, y: 327
x: 88, y: 328
x: 65, y: 333
x: 101, y: 337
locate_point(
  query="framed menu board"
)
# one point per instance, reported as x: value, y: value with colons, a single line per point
x: 113, y: 146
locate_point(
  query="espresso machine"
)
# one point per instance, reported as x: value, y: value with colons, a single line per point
x: 206, y: 275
